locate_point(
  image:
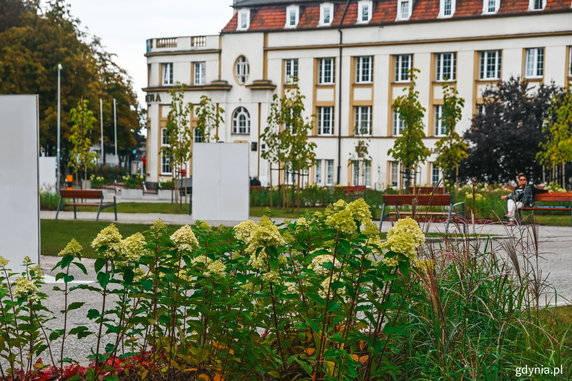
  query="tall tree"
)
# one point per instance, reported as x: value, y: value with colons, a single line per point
x: 83, y: 121
x: 408, y: 148
x: 451, y: 149
x: 34, y: 42
x: 557, y: 149
x: 505, y: 136
x: 180, y: 135
x: 208, y: 119
x: 286, y: 134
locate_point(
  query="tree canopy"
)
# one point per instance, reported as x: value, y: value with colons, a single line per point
x: 34, y: 39
x: 505, y: 136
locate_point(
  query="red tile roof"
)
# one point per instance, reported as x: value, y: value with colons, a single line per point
x: 273, y: 17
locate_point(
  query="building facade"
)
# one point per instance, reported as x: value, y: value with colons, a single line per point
x: 351, y: 59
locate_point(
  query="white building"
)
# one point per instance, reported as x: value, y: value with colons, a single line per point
x: 351, y: 59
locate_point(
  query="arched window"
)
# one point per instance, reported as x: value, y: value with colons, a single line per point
x: 242, y: 69
x: 241, y: 121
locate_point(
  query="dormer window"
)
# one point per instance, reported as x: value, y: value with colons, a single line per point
x: 491, y: 6
x: 536, y: 5
x: 364, y: 11
x: 243, y: 19
x: 404, y: 9
x: 326, y: 13
x: 292, y: 16
x: 447, y: 8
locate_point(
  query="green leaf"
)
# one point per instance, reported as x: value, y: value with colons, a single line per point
x: 103, y: 279
x: 68, y: 278
x: 56, y: 334
x: 333, y: 306
x: 92, y: 313
x: 128, y: 276
x: 99, y: 263
x: 307, y: 367
x: 81, y: 267
x: 66, y: 260
x: 75, y: 306
x: 109, y: 348
x: 391, y: 330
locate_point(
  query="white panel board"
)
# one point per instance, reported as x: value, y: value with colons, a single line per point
x: 47, y: 174
x: 20, y: 220
x: 220, y: 181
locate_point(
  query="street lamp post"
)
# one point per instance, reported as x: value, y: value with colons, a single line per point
x: 58, y: 168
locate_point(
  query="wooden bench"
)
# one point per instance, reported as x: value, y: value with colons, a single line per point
x: 449, y: 210
x: 80, y: 197
x: 427, y: 190
x: 564, y: 200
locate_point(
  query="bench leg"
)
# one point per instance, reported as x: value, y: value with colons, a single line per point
x: 59, y: 207
x: 115, y: 207
x: 74, y: 213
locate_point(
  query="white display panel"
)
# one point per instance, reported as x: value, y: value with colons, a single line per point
x: 19, y: 206
x: 220, y: 181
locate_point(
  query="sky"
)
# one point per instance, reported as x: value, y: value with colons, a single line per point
x: 125, y: 25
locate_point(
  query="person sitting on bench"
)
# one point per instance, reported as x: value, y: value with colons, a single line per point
x: 522, y: 195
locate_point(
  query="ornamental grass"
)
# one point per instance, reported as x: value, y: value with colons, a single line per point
x: 319, y: 298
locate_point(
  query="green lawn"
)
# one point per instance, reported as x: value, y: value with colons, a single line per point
x: 57, y: 233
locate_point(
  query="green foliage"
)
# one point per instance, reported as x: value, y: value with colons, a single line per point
x: 133, y: 181
x: 319, y: 297
x: 286, y: 134
x: 208, y: 118
x: 180, y: 135
x: 83, y: 121
x: 409, y: 149
x: 451, y: 149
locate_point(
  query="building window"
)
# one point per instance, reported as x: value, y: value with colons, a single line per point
x: 199, y: 138
x: 435, y: 175
x: 243, y: 19
x: 570, y: 61
x: 164, y: 136
x: 242, y: 69
x: 364, y: 11
x: 394, y: 173
x: 326, y: 71
x: 165, y: 164
x: 403, y: 9
x: 490, y: 64
x: 362, y: 120
x: 398, y: 124
x: 326, y: 13
x: 446, y: 66
x: 447, y: 8
x: 289, y: 174
x: 536, y: 5
x: 361, y: 173
x: 534, y: 63
x: 167, y: 74
x: 364, y: 69
x: 199, y: 73
x: 403, y: 64
x: 491, y: 6
x: 240, y: 121
x: 329, y: 172
x: 326, y: 120
x: 292, y: 16
x: 318, y: 173
x: 440, y: 129
x: 291, y: 70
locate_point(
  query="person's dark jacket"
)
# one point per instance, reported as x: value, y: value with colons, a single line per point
x: 525, y: 194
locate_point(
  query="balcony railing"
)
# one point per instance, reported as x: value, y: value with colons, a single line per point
x: 166, y: 42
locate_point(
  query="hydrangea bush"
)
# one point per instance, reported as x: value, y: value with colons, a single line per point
x: 316, y: 298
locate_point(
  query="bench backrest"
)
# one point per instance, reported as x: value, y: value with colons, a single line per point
x: 554, y: 196
x: 427, y: 190
x: 355, y: 188
x: 75, y: 193
x: 417, y: 199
